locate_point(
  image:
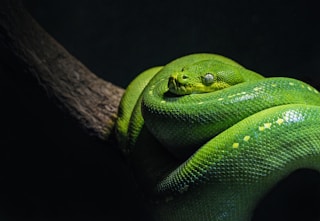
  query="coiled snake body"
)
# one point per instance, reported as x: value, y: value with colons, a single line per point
x: 208, y: 138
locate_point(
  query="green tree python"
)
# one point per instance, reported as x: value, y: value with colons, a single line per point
x: 208, y: 138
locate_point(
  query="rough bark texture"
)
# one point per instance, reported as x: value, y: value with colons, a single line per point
x: 92, y: 101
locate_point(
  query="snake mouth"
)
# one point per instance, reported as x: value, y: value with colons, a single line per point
x: 177, y: 87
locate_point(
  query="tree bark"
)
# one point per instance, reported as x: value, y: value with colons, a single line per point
x: 89, y: 99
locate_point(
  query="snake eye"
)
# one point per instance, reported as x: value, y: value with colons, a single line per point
x: 208, y: 79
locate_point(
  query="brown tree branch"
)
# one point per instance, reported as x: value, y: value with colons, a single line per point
x: 92, y: 101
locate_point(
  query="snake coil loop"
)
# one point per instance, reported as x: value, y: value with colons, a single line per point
x: 208, y: 138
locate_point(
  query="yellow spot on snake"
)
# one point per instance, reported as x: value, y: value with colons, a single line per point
x: 162, y: 102
x: 257, y: 88
x: 235, y: 145
x: 290, y: 83
x: 201, y: 102
x: 317, y: 92
x: 279, y: 121
x: 309, y: 88
x: 274, y: 85
x: 220, y: 99
x: 151, y: 92
x: 246, y: 138
x: 267, y: 125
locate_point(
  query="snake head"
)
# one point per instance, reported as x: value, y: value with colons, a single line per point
x: 180, y: 84
x: 204, y: 76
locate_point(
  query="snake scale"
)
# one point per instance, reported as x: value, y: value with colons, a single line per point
x: 208, y: 138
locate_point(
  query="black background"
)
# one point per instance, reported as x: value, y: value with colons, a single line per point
x: 51, y: 170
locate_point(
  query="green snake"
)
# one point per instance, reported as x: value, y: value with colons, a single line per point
x: 208, y: 138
